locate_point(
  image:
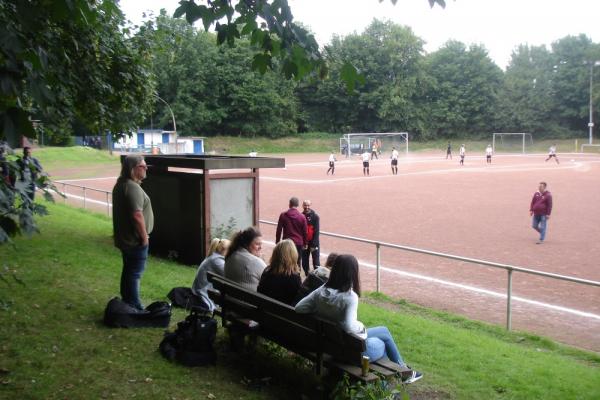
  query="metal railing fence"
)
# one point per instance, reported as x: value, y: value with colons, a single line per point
x: 104, y: 199
x: 378, y: 245
x: 507, y: 267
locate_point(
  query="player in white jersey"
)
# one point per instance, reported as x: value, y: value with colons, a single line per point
x: 461, y: 152
x: 552, y: 153
x: 394, y: 158
x: 488, y: 154
x: 332, y: 161
x: 365, y: 159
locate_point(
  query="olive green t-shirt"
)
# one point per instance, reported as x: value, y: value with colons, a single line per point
x: 128, y: 197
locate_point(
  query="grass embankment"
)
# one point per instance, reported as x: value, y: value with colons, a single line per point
x: 76, y: 162
x: 326, y: 142
x: 53, y: 344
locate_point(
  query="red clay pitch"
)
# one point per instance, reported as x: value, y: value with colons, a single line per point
x: 476, y: 210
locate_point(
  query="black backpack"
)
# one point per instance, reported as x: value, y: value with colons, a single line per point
x: 119, y: 314
x: 192, y: 343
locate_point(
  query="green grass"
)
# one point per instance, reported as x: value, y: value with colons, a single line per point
x: 53, y: 344
x: 76, y: 156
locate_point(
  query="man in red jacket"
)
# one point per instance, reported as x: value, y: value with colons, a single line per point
x: 540, y: 209
x: 292, y: 223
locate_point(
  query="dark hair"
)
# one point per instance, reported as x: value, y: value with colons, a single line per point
x: 242, y: 239
x: 344, y: 274
x: 294, y: 202
x: 330, y: 259
x: 544, y: 183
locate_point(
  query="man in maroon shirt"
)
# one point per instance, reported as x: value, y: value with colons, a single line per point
x: 292, y: 223
x: 540, y: 209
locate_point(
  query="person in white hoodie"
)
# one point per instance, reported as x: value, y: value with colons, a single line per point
x: 337, y: 301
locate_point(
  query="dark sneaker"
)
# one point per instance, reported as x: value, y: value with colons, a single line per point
x: 539, y: 242
x: 413, y: 377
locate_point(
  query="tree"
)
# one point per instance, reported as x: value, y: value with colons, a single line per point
x: 69, y: 60
x: 212, y: 89
x: 464, y: 92
x: 390, y: 59
x: 277, y: 36
x: 527, y: 98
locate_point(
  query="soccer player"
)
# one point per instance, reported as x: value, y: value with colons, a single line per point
x: 394, y: 158
x: 365, y: 160
x: 332, y: 161
x: 449, y: 151
x: 461, y: 152
x: 374, y: 150
x: 488, y: 154
x: 552, y: 153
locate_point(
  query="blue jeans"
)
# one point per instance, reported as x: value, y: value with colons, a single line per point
x: 539, y: 224
x: 380, y: 343
x: 134, y: 264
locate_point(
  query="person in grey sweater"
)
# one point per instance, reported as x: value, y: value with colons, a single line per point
x: 337, y: 301
x: 243, y: 264
x: 215, y: 262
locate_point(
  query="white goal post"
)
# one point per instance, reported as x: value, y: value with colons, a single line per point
x: 526, y: 139
x: 351, y: 142
x: 591, y: 146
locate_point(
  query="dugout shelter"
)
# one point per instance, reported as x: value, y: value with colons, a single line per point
x: 198, y: 197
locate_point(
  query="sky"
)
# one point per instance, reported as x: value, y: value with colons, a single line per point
x: 499, y: 25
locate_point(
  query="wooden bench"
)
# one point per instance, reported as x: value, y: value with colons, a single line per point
x: 311, y: 337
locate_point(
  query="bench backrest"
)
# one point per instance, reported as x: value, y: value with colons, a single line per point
x: 301, y: 333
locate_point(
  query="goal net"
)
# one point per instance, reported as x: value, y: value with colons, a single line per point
x: 357, y: 143
x: 512, y: 142
x: 590, y: 148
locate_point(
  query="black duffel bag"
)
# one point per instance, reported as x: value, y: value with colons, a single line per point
x: 119, y: 314
x: 192, y: 343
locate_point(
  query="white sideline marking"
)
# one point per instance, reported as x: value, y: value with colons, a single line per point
x: 473, y: 289
x: 466, y: 169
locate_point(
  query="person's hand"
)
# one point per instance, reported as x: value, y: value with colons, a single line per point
x: 305, y: 247
x: 146, y: 240
x: 530, y: 213
x: 547, y: 217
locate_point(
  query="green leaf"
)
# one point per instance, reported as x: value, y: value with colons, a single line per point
x: 261, y: 62
x: 351, y: 77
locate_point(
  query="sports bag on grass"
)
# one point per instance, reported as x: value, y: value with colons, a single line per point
x: 119, y: 314
x: 192, y: 343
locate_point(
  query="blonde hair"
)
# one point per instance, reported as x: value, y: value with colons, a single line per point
x: 218, y: 245
x: 284, y: 260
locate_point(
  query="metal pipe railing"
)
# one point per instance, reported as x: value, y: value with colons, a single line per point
x: 507, y: 267
x: 84, y: 196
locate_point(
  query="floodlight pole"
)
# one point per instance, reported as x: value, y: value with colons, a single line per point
x: 173, y: 118
x: 591, y: 123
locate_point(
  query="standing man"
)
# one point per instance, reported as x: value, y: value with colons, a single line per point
x: 540, y: 209
x: 133, y: 221
x: 461, y: 152
x: 292, y: 224
x: 449, y: 151
x: 394, y: 158
x: 488, y: 154
x: 312, y: 235
x: 552, y: 153
x: 365, y: 160
x: 332, y: 161
x: 29, y: 167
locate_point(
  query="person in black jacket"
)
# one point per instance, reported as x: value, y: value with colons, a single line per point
x: 317, y: 278
x: 281, y: 279
x: 312, y: 220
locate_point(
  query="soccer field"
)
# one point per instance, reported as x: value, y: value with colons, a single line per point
x: 478, y: 211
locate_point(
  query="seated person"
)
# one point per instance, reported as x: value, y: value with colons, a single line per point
x: 243, y: 264
x: 281, y: 279
x: 317, y: 278
x: 215, y: 262
x: 337, y: 301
